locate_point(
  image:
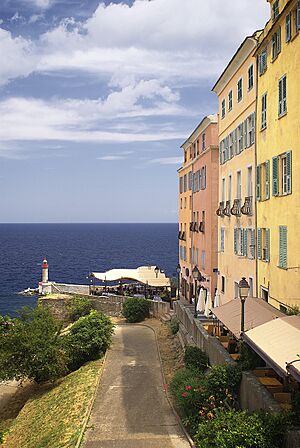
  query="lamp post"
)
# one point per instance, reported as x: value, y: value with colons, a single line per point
x: 178, y: 270
x: 156, y: 270
x: 244, y: 292
x: 196, y: 276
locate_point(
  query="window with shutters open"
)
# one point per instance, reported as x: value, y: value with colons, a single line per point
x: 262, y: 62
x: 282, y: 174
x: 250, y: 77
x: 240, y: 89
x: 229, y: 100
x: 282, y: 97
x: 276, y: 44
x: 251, y: 244
x: 263, y: 244
x: 222, y: 239
x: 288, y: 27
x: 275, y: 10
x: 223, y: 108
x: 283, y: 247
x: 263, y: 181
x: 240, y: 138
x: 298, y: 16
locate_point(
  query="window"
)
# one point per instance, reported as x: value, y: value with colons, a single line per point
x: 283, y: 247
x: 185, y: 156
x: 264, y: 111
x: 240, y: 89
x: 249, y: 181
x: 240, y: 138
x: 203, y: 185
x: 288, y: 27
x: 298, y: 16
x: 282, y: 174
x: 251, y: 244
x: 238, y: 185
x: 250, y: 77
x: 221, y: 148
x: 223, y: 284
x: 223, y: 190
x: 185, y: 183
x: 251, y: 129
x: 251, y: 287
x: 231, y: 145
x: 203, y: 259
x: 263, y: 244
x: 198, y: 152
x: 276, y: 44
x: 275, y: 10
x: 190, y: 180
x: 222, y: 239
x: 240, y: 243
x: 262, y: 62
x: 229, y: 187
x: 263, y: 181
x: 282, y: 97
x: 181, y: 204
x: 223, y: 108
x: 181, y: 184
x: 230, y: 100
x: 203, y: 141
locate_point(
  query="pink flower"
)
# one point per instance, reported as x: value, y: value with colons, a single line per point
x: 184, y: 394
x: 188, y: 387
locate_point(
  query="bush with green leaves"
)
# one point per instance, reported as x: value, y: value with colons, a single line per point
x: 195, y: 359
x: 249, y: 360
x: 223, y: 381
x: 30, y: 346
x: 136, y: 309
x: 174, y: 325
x: 189, y: 392
x: 88, y: 339
x: 232, y: 429
x: 78, y: 307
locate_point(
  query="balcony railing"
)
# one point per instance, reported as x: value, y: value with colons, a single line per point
x: 220, y: 211
x: 227, y: 209
x: 202, y: 227
x: 236, y: 208
x: 183, y: 236
x: 247, y: 207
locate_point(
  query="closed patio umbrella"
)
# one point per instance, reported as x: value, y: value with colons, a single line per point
x: 208, y: 305
x: 217, y: 301
x: 201, y: 301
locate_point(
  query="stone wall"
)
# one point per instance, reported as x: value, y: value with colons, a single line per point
x: 253, y: 396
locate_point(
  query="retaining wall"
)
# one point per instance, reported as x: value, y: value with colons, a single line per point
x: 253, y: 396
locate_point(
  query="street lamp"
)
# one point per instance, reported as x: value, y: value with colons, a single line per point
x: 156, y: 270
x: 178, y: 270
x: 196, y: 276
x: 244, y: 292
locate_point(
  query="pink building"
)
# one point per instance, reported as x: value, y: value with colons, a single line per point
x: 203, y: 220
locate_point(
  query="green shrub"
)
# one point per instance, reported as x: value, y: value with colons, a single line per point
x: 223, y: 381
x: 78, y: 307
x: 196, y: 359
x: 174, y: 325
x: 88, y: 339
x: 188, y: 391
x: 135, y: 309
x: 232, y: 429
x: 249, y: 360
x: 30, y: 346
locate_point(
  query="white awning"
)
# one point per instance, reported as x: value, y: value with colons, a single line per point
x: 278, y: 343
x: 144, y: 274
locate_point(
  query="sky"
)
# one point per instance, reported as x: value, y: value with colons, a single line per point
x: 96, y: 98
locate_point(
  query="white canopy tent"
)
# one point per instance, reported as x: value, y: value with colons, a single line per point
x: 144, y: 274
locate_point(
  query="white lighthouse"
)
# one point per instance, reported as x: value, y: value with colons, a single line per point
x: 44, y: 286
x: 45, y: 271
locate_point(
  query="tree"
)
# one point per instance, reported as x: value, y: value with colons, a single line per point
x: 78, y: 307
x: 88, y: 339
x: 30, y: 346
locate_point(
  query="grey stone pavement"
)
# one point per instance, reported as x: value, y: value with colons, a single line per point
x: 131, y: 409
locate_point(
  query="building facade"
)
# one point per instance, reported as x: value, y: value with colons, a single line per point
x: 278, y: 156
x: 197, y: 203
x: 236, y: 89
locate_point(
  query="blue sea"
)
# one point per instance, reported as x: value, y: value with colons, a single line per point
x: 74, y: 250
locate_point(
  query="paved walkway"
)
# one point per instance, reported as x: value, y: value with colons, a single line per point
x: 131, y: 410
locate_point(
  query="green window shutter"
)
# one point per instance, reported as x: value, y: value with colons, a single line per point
x: 258, y: 189
x: 289, y: 171
x: 259, y: 244
x: 252, y: 248
x: 245, y: 242
x: 267, y: 177
x: 235, y: 241
x: 283, y: 246
x: 275, y: 176
x: 221, y: 152
x: 267, y: 245
x: 246, y: 134
x: 241, y: 232
x: 204, y: 174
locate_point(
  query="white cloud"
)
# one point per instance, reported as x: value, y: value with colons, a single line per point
x: 167, y: 161
x: 177, y: 40
x: 42, y: 4
x: 111, y: 158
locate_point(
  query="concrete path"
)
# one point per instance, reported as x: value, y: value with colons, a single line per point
x: 131, y: 409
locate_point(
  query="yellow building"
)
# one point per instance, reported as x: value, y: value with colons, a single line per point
x: 236, y: 90
x: 185, y: 212
x: 278, y: 156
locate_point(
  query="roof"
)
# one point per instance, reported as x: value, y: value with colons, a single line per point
x: 204, y: 123
x: 242, y: 53
x: 257, y: 312
x: 278, y: 343
x: 143, y: 274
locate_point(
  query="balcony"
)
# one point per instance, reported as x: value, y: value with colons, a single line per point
x: 236, y: 208
x: 183, y: 236
x: 247, y: 207
x: 180, y: 235
x: 195, y: 227
x: 191, y: 226
x: 202, y: 227
x: 220, y: 211
x: 227, y: 209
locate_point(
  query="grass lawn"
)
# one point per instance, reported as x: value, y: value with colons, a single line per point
x: 54, y: 416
